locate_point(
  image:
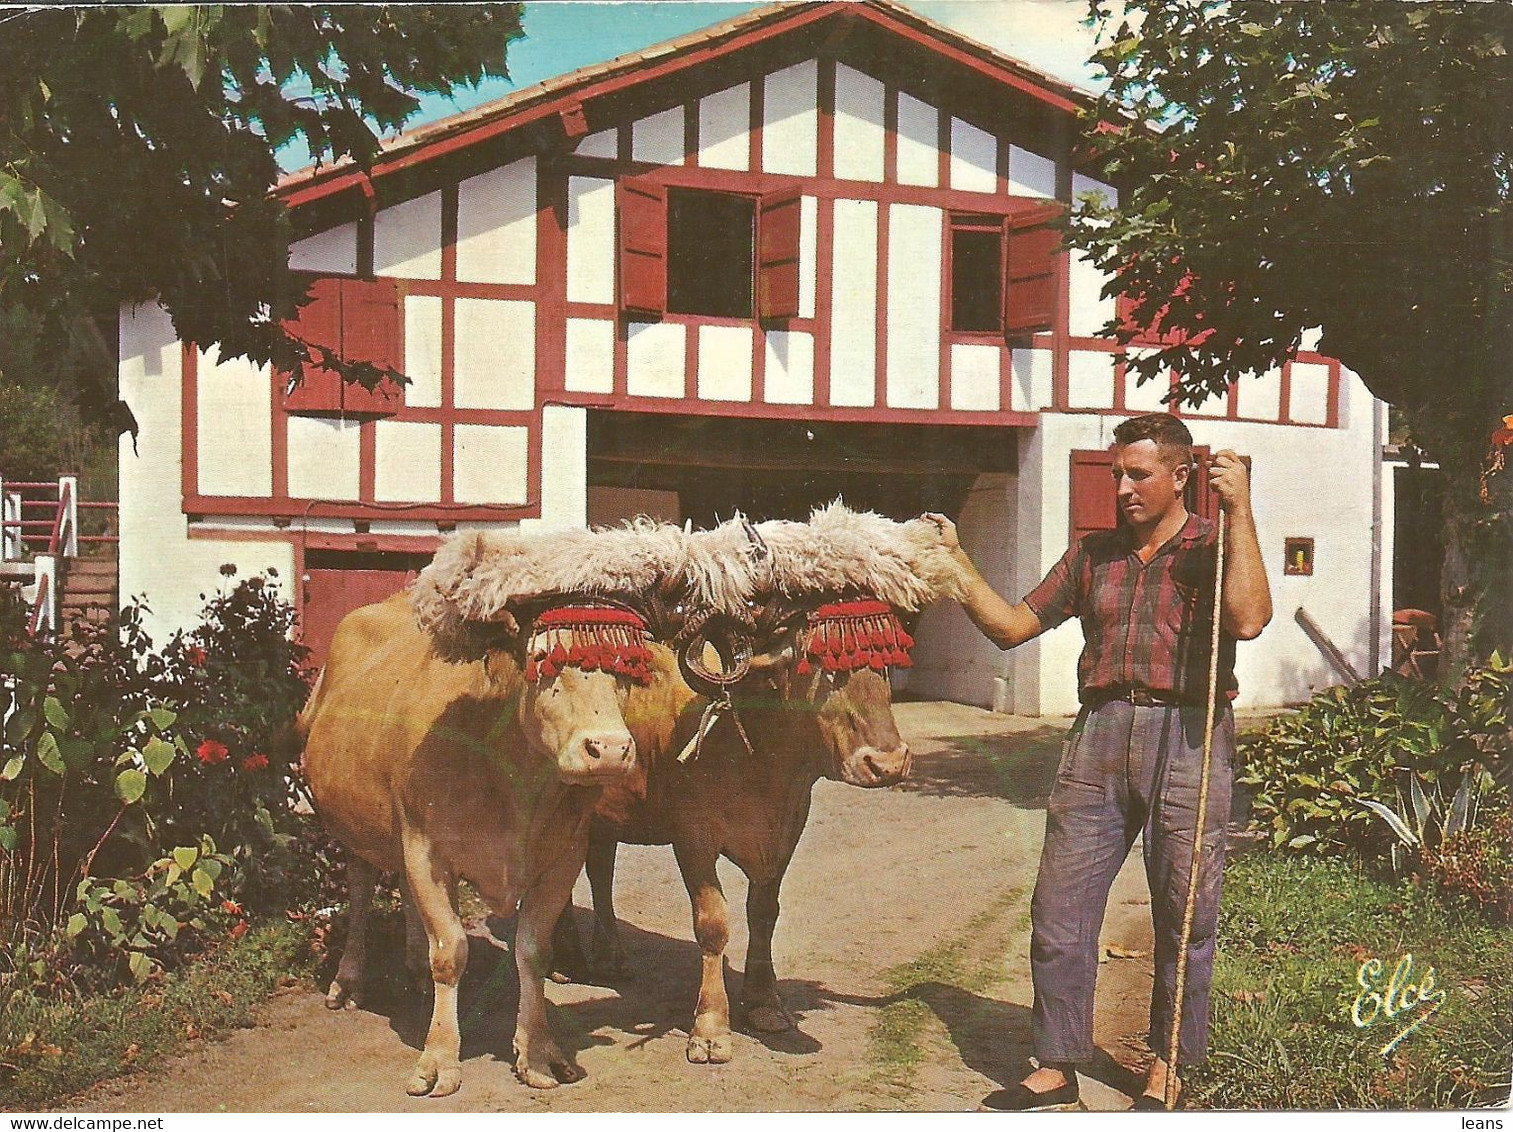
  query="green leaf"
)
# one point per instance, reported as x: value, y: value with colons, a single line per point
x: 48, y: 754
x: 55, y: 713
x: 12, y: 769
x: 162, y: 718
x: 202, y: 882
x: 1301, y: 841
x: 9, y: 836
x: 211, y: 866
x: 185, y: 856
x: 111, y: 920
x: 77, y: 753
x: 76, y: 924
x: 158, y: 754
x: 140, y: 965
x: 131, y: 785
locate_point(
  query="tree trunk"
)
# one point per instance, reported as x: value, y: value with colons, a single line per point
x: 1476, y: 580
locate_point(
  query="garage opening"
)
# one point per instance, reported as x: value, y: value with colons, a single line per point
x: 704, y: 469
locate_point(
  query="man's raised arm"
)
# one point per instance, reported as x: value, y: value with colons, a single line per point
x: 1004, y: 624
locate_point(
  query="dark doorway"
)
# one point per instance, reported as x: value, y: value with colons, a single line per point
x: 1417, y: 545
x: 768, y: 469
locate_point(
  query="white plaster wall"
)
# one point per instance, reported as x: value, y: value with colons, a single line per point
x: 605, y: 143
x: 1260, y: 395
x: 332, y: 251
x: 1033, y: 380
x: 158, y: 560
x: 654, y: 359
x: 808, y: 243
x: 914, y: 238
x: 952, y: 660
x: 659, y: 138
x: 590, y: 240
x: 423, y: 351
x: 496, y: 225
x: 407, y: 239
x: 235, y: 426
x: 859, y: 102
x: 918, y: 142
x: 489, y: 463
x: 788, y: 373
x: 564, y: 469
x: 1090, y: 379
x: 1083, y: 185
x: 790, y: 120
x: 495, y: 354
x: 1030, y: 174
x: 853, y: 305
x: 1089, y: 312
x: 975, y: 376
x: 324, y: 458
x: 1145, y: 397
x: 725, y: 129
x: 974, y: 158
x: 1308, y: 396
x: 407, y: 462
x: 724, y: 360
x: 590, y: 355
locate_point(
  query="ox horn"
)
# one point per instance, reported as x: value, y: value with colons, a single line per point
x: 758, y: 545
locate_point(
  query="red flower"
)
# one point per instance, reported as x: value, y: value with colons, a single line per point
x: 196, y: 655
x: 231, y: 906
x: 211, y: 751
x: 254, y: 762
x: 239, y: 929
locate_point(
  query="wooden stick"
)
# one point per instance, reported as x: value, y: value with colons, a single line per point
x: 1173, y: 1046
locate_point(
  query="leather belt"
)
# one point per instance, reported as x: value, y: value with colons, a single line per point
x: 1140, y: 697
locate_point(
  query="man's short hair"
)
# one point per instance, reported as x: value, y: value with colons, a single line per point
x: 1170, y: 434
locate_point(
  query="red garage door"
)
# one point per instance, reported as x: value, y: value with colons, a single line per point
x: 337, y: 582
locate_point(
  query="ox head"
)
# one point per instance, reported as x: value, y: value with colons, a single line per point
x: 581, y: 658
x: 822, y: 667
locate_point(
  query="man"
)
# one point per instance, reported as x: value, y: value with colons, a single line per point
x: 1131, y: 765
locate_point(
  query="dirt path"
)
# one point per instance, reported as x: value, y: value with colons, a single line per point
x: 902, y: 953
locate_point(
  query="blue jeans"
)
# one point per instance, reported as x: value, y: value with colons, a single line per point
x: 1126, y: 771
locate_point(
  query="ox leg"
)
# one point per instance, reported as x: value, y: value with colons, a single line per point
x: 417, y: 946
x: 438, y: 1073
x: 346, y: 988
x: 609, y: 952
x: 539, y: 1062
x: 709, y: 1040
x: 568, y: 962
x: 759, y: 991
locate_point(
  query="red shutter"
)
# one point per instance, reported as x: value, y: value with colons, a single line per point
x: 1095, y: 505
x: 319, y: 324
x: 778, y: 222
x: 1030, y: 283
x: 643, y: 245
x: 372, y: 331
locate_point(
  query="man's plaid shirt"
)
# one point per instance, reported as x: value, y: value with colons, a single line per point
x: 1144, y: 625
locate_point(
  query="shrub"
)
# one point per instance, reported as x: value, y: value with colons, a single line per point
x: 1476, y: 865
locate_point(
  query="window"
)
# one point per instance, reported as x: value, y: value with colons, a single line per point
x: 1003, y: 273
x: 977, y: 273
x: 699, y: 252
x: 710, y: 245
x: 360, y: 319
x: 1095, y: 505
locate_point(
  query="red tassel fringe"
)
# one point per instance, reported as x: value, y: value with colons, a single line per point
x: 844, y: 636
x: 591, y: 637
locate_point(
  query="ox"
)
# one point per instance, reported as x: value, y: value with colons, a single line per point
x: 481, y: 763
x: 815, y: 703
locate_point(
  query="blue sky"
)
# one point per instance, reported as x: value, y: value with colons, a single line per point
x: 563, y: 35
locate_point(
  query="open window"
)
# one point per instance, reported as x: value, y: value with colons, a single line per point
x: 702, y: 252
x: 1002, y: 273
x: 362, y: 321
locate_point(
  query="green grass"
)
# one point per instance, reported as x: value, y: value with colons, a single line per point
x: 76, y: 1042
x: 969, y: 962
x: 1293, y: 935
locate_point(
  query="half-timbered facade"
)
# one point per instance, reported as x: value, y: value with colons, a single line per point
x: 800, y: 254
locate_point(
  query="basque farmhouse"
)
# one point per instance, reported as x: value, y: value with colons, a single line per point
x: 802, y: 254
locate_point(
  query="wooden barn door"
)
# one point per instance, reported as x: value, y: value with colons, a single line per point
x: 337, y: 582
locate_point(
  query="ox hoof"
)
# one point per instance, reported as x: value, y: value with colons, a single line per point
x: 338, y: 997
x: 557, y: 1070
x: 432, y: 1079
x: 709, y: 1051
x: 767, y: 1018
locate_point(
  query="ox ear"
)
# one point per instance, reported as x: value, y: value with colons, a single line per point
x: 780, y: 651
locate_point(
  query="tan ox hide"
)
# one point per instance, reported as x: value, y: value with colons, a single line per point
x: 445, y: 771
x: 748, y: 806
